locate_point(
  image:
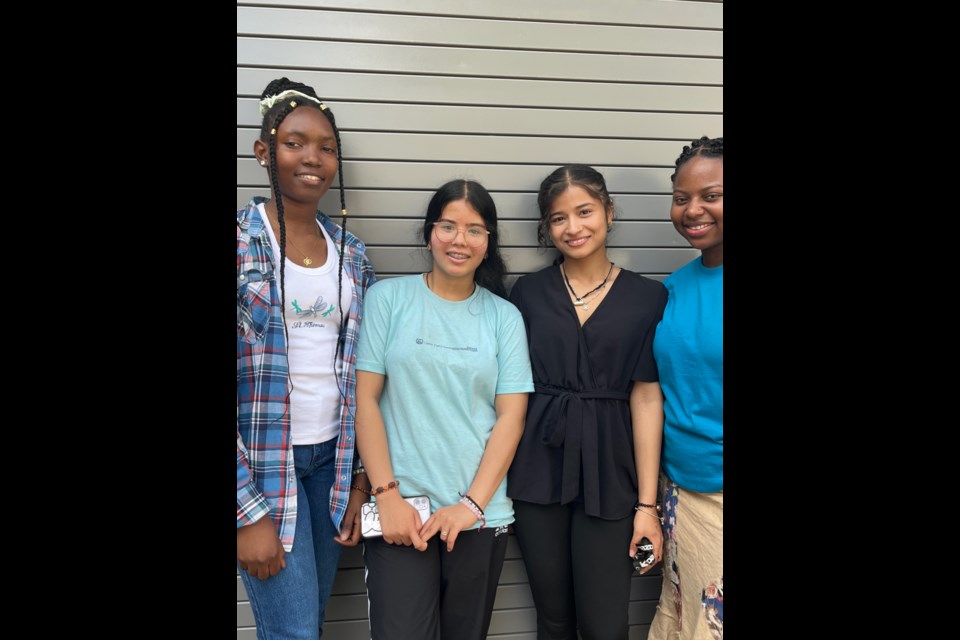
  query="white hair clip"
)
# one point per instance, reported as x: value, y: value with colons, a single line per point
x: 269, y: 101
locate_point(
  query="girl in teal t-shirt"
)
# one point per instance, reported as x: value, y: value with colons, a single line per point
x: 443, y: 375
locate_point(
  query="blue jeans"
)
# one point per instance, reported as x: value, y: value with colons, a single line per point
x: 291, y: 604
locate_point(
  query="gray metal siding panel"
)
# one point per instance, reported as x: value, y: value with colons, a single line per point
x: 495, y: 149
x: 318, y: 24
x: 244, y: 614
x: 477, y: 62
x: 404, y: 90
x: 501, y: 92
x: 636, y: 12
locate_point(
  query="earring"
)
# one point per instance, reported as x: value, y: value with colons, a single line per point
x: 262, y: 163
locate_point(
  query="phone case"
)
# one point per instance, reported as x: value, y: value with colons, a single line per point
x: 645, y: 556
x: 370, y: 517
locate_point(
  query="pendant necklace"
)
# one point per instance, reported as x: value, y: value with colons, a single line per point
x: 307, y: 260
x: 579, y: 301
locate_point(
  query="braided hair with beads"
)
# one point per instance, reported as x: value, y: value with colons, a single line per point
x: 268, y: 134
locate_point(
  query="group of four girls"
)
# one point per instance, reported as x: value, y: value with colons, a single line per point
x: 556, y: 411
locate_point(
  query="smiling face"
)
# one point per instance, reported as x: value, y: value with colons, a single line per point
x: 306, y: 156
x: 697, y: 209
x: 577, y: 223
x: 456, y: 259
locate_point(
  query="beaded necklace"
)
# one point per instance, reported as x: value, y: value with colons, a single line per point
x: 579, y: 300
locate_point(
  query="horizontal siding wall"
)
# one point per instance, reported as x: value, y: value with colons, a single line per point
x: 501, y: 92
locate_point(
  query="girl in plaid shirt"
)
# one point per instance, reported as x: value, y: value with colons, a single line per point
x: 301, y: 281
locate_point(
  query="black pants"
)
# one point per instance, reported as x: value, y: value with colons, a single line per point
x: 434, y: 595
x: 579, y: 570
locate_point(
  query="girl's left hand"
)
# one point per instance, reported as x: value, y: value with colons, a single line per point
x: 647, y: 525
x: 449, y: 522
x: 350, y: 527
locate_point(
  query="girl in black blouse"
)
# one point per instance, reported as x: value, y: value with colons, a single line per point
x: 584, y: 480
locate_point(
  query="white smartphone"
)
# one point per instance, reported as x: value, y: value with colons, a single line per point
x: 370, y: 517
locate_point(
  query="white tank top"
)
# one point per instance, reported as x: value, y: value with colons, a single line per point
x: 312, y: 315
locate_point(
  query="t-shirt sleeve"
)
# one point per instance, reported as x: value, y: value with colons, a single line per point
x: 513, y: 356
x: 646, y: 369
x: 372, y: 344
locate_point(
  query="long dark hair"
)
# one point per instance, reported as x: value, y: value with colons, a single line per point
x: 562, y: 178
x: 706, y: 147
x: 491, y: 271
x: 268, y: 134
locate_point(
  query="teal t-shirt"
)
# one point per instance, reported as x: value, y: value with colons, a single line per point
x: 688, y: 347
x: 445, y: 363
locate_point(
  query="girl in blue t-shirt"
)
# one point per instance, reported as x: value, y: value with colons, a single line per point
x: 689, y: 351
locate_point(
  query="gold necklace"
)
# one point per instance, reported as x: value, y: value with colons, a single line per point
x: 306, y: 259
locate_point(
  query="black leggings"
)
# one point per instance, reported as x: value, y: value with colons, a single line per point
x: 579, y: 570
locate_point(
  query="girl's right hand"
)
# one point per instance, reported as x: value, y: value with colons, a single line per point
x: 259, y: 550
x: 399, y: 521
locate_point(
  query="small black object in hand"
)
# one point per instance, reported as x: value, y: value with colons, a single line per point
x: 644, y: 557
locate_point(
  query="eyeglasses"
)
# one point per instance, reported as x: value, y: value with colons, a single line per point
x: 447, y: 232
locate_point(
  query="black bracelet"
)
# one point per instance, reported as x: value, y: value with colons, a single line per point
x: 637, y: 506
x: 472, y: 501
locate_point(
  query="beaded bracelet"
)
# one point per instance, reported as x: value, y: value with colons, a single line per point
x: 361, y: 489
x: 472, y: 501
x: 358, y: 471
x: 656, y: 507
x: 393, y: 484
x: 474, y: 508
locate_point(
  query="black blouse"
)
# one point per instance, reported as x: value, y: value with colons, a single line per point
x: 578, y: 440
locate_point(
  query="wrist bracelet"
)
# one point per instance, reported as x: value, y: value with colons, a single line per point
x: 358, y: 471
x: 658, y: 516
x: 472, y: 501
x: 639, y: 504
x: 360, y: 489
x: 393, y: 484
x: 474, y: 509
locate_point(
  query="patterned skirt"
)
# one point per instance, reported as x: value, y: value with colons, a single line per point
x: 691, y: 603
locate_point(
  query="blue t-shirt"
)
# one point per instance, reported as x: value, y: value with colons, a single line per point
x: 688, y: 347
x: 445, y: 363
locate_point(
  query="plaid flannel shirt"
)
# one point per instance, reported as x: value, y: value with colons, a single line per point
x: 266, y: 479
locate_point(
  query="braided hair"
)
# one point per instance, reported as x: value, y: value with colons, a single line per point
x: 490, y: 272
x: 562, y: 178
x: 706, y: 147
x: 268, y: 134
